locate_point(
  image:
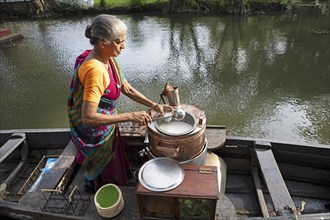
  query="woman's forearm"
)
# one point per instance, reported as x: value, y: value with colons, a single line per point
x: 90, y: 116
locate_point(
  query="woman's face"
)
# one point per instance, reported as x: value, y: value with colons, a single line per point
x: 113, y: 49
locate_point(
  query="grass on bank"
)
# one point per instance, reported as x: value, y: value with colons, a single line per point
x: 126, y: 3
x: 182, y: 6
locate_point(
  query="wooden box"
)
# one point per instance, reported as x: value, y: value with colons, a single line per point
x: 194, y: 198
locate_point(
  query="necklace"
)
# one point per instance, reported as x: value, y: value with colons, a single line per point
x: 99, y: 57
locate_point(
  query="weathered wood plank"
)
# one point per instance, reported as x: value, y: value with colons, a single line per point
x: 62, y: 164
x: 15, y: 140
x: 260, y: 195
x: 276, y: 186
x: 215, y: 136
x: 258, y: 187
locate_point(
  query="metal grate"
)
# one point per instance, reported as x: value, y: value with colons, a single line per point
x: 57, y: 202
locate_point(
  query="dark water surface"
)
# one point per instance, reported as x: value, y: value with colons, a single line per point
x: 261, y: 76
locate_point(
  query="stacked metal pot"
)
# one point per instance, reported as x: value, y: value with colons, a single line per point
x: 184, y: 139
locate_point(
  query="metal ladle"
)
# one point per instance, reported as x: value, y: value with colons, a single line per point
x: 179, y: 114
x: 162, y: 117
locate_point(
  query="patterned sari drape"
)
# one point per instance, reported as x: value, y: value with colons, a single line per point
x: 96, y: 143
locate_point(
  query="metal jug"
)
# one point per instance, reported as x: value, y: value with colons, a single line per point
x: 172, y: 94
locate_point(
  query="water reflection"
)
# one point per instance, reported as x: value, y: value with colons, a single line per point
x: 264, y: 76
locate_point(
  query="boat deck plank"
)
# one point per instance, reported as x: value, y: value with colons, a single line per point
x: 62, y: 164
x: 15, y: 140
x: 276, y: 186
x: 215, y: 136
x: 260, y: 195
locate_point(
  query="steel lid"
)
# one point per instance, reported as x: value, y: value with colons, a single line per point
x: 161, y: 174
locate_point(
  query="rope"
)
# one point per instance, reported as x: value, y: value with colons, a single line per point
x: 297, y: 210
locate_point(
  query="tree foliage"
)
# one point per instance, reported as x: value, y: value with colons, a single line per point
x: 233, y: 6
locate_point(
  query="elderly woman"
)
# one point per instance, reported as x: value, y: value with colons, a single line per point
x: 96, y: 85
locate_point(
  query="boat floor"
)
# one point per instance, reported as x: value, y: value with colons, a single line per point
x: 32, y: 204
x: 239, y: 191
x: 239, y: 201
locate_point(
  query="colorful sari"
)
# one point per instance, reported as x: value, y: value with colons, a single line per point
x: 100, y: 151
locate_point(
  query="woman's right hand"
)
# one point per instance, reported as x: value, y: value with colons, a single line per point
x: 142, y: 117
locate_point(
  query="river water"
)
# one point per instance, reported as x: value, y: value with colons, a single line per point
x: 263, y: 76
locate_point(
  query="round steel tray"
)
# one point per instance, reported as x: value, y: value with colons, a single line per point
x: 161, y: 174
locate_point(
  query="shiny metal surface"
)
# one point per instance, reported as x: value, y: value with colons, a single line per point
x: 179, y: 114
x: 179, y: 147
x: 167, y: 117
x: 161, y: 174
x: 188, y: 118
x: 197, y: 160
x: 172, y: 94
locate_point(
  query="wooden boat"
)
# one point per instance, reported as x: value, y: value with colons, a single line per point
x: 264, y: 179
x: 6, y: 36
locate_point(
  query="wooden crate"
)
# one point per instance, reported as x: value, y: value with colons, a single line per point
x: 194, y: 198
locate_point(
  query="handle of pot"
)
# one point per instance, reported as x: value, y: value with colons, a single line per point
x: 169, y: 152
x: 163, y: 94
x: 162, y: 97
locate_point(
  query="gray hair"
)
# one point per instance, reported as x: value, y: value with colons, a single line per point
x: 106, y: 27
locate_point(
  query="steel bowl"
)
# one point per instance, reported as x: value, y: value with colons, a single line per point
x: 168, y: 127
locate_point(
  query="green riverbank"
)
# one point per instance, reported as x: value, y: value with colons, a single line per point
x: 50, y: 8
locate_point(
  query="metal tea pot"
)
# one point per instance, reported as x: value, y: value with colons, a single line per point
x: 172, y: 94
